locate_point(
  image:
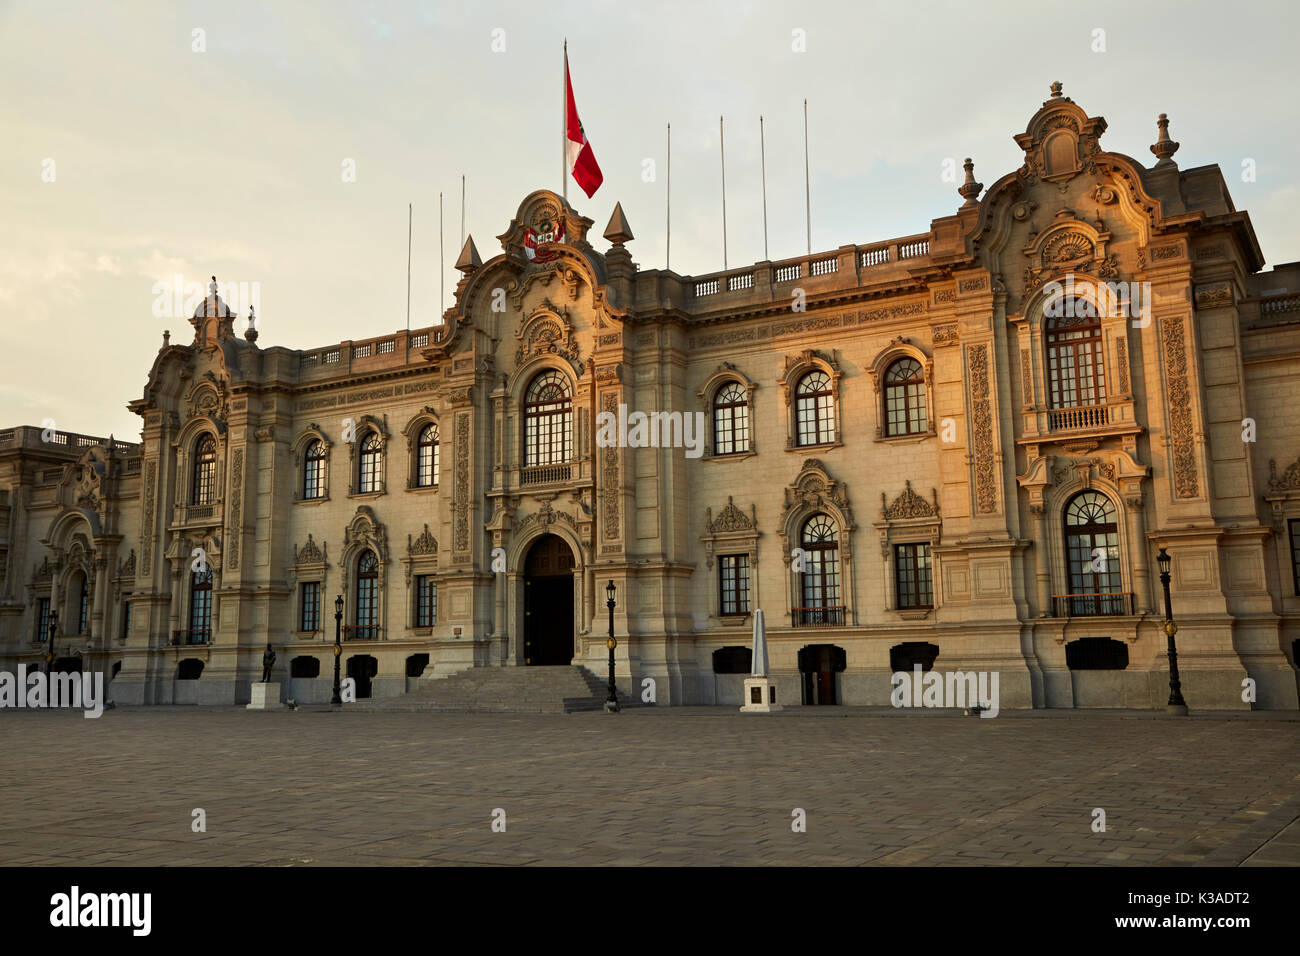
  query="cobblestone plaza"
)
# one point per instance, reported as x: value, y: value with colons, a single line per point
x: 651, y: 786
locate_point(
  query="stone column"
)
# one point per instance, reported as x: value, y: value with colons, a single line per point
x: 1044, y: 558
x: 1138, y: 543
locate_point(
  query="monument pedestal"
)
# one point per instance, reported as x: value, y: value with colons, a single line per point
x: 265, y: 696
x: 760, y: 696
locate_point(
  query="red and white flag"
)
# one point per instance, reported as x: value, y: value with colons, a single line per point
x: 582, y: 161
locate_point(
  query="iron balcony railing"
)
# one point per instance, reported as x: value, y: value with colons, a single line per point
x: 1095, y: 604
x: 826, y: 616
x: 360, y: 632
x: 193, y: 636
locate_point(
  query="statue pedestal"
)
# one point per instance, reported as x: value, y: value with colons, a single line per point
x: 265, y: 697
x: 760, y: 696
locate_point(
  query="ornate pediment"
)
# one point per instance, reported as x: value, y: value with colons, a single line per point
x: 1289, y: 480
x: 423, y: 544
x: 309, y: 553
x: 910, y: 505
x: 127, y: 568
x: 547, y: 331
x: 364, y: 530
x: 731, y: 519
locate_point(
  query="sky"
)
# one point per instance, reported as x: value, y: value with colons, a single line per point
x: 142, y: 141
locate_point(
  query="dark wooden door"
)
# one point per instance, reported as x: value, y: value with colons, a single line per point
x: 548, y: 603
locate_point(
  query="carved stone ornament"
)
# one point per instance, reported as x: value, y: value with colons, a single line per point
x: 731, y: 518
x: 910, y: 505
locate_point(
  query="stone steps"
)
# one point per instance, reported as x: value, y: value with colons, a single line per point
x: 527, y: 690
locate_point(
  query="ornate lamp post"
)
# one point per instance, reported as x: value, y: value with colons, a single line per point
x: 1176, y: 703
x: 337, y: 701
x: 611, y: 702
x: 49, y: 644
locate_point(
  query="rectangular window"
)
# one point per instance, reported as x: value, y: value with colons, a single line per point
x: 43, y: 620
x: 733, y: 583
x: 126, y: 619
x: 1294, y: 526
x: 426, y: 601
x: 309, y: 613
x: 912, y: 568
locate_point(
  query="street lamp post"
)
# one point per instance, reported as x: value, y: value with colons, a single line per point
x: 1176, y: 703
x: 611, y: 701
x: 337, y: 701
x: 49, y: 645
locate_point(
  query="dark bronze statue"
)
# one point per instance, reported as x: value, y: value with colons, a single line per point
x: 268, y: 661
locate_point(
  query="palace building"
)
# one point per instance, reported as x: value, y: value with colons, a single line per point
x: 962, y: 449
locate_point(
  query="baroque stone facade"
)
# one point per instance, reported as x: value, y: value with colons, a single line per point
x: 1059, y: 453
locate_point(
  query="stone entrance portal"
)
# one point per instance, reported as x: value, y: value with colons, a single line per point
x: 548, y: 602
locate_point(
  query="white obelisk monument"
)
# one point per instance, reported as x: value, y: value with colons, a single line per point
x: 760, y: 690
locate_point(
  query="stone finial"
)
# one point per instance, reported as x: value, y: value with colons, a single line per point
x: 469, y: 259
x: 618, y: 231
x: 167, y: 338
x: 969, y: 189
x: 1164, y: 147
x: 1056, y: 89
x: 250, y: 333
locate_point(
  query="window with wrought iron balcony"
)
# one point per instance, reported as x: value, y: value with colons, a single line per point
x: 1076, y: 371
x: 548, y: 430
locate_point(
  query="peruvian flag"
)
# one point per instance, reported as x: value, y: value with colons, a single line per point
x: 582, y: 161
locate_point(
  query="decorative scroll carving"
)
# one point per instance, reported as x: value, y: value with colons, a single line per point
x: 1026, y: 376
x: 127, y: 570
x: 1121, y: 360
x: 146, y: 523
x: 462, y: 482
x: 944, y: 334
x: 236, y: 500
x: 1186, y: 482
x: 609, y: 476
x: 910, y: 505
x: 986, y: 494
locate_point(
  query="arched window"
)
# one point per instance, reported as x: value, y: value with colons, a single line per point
x: 1092, y: 556
x: 427, y: 459
x: 372, y: 460
x: 821, y: 574
x: 203, y: 489
x: 730, y: 419
x: 367, y: 597
x: 548, y: 420
x: 1076, y: 366
x: 905, y: 412
x: 200, y: 607
x: 313, y: 475
x: 814, y: 409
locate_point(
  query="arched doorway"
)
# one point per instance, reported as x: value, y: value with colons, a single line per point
x: 362, y: 668
x: 548, y: 602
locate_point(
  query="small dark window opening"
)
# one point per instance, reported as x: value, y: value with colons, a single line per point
x: 304, y: 666
x: 415, y: 664
x: 1096, y: 654
x: 733, y: 660
x: 903, y: 657
x: 189, y: 669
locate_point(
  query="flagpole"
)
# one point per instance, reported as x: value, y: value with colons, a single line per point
x: 442, y: 264
x: 762, y: 152
x: 408, y: 270
x: 807, y: 188
x: 668, y: 248
x: 564, y: 125
x: 462, y: 209
x: 722, y: 146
